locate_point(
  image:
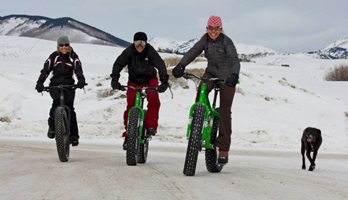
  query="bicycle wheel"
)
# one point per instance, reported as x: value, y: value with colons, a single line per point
x: 132, y: 136
x: 194, y: 144
x: 62, y: 134
x: 143, y: 147
x: 211, y: 155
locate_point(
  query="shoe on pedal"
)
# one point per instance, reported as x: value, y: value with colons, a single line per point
x: 223, y: 157
x: 124, y: 145
x: 50, y: 133
x: 74, y: 140
x: 151, y: 132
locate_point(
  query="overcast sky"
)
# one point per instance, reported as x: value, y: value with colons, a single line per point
x: 284, y: 26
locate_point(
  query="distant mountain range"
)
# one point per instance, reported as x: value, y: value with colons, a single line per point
x: 51, y: 29
x: 78, y: 32
x: 338, y: 49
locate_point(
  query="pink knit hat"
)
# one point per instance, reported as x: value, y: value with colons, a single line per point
x: 214, y: 21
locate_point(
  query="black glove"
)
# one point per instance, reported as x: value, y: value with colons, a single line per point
x: 232, y: 80
x: 115, y: 84
x: 80, y: 83
x: 39, y: 86
x: 163, y: 87
x: 178, y: 71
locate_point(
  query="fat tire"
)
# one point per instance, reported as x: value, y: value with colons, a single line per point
x: 211, y: 155
x: 62, y: 134
x: 132, y: 137
x: 194, y: 144
x: 143, y: 148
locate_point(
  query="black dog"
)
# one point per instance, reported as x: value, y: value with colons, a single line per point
x: 310, y: 142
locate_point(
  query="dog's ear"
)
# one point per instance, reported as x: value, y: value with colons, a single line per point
x: 319, y: 131
x: 304, y: 131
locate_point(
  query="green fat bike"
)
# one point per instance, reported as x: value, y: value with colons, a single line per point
x: 204, y: 120
x: 137, y: 144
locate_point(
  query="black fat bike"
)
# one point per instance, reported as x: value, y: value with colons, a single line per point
x: 62, y: 123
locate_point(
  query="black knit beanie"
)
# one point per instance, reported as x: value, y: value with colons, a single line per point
x: 140, y: 36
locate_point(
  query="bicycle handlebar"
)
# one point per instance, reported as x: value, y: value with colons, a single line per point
x: 73, y: 86
x: 202, y: 78
x: 124, y: 88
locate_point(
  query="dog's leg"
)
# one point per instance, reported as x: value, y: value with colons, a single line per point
x: 312, y: 166
x: 303, y: 157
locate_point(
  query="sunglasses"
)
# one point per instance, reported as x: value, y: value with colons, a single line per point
x: 139, y: 43
x: 214, y: 28
x: 64, y: 45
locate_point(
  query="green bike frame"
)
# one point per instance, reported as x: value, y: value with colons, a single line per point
x: 139, y: 105
x: 210, y: 113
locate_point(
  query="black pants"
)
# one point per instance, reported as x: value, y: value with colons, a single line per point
x: 223, y: 140
x: 69, y: 97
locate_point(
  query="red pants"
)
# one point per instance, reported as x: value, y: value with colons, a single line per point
x: 153, y: 104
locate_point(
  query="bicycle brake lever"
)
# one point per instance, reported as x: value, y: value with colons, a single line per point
x: 185, y: 76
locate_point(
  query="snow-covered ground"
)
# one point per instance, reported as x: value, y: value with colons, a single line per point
x: 272, y: 106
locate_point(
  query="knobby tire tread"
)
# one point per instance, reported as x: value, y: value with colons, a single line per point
x: 211, y: 155
x: 143, y: 148
x: 194, y: 144
x: 132, y: 137
x: 62, y: 136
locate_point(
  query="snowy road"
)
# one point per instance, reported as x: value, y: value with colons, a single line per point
x: 30, y: 169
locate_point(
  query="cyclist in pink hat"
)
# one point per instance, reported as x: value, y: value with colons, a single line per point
x: 223, y: 63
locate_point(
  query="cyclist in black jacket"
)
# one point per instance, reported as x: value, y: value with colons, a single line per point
x: 143, y: 62
x: 63, y: 63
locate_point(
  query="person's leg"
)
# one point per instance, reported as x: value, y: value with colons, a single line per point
x: 153, y: 106
x: 54, y: 93
x: 223, y: 140
x: 131, y: 93
x: 74, y: 131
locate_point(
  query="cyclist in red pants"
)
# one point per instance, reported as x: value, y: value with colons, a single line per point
x: 143, y: 63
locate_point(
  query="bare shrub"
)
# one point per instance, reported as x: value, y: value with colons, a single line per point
x: 183, y: 82
x: 339, y: 73
x: 5, y: 119
x: 105, y: 93
x: 173, y: 61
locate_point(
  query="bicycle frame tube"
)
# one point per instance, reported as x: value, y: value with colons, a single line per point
x: 139, y: 105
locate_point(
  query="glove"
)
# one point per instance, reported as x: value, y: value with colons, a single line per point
x: 178, y: 71
x: 39, y: 86
x: 232, y: 80
x: 115, y: 84
x: 163, y: 87
x: 80, y: 83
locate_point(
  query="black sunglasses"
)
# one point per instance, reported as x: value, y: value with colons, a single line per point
x: 216, y: 28
x: 64, y: 45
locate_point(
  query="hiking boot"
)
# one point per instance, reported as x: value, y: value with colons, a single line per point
x: 50, y: 133
x: 223, y: 157
x: 74, y: 140
x: 125, y: 143
x: 151, y: 132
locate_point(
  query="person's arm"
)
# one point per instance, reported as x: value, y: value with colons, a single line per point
x: 195, y: 51
x: 121, y: 61
x: 47, y: 68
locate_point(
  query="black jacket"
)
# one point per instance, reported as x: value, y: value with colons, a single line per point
x: 221, y: 55
x: 63, y: 67
x: 141, y: 66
